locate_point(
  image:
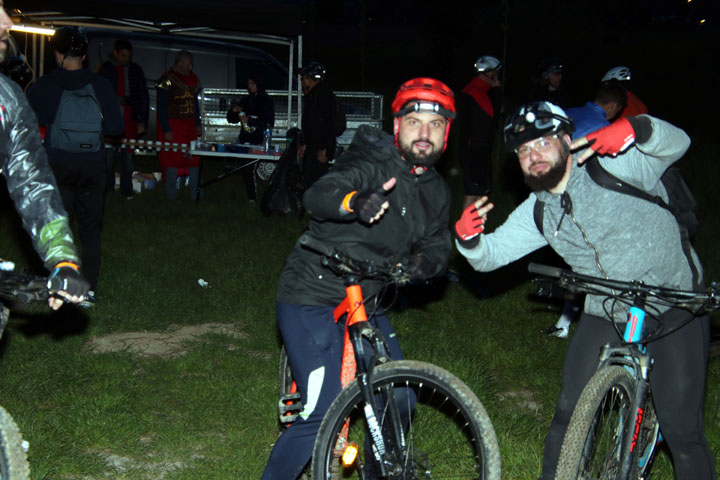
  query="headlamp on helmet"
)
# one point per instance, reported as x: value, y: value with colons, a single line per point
x: 535, y: 120
x: 619, y: 73
x: 487, y: 63
x: 314, y: 70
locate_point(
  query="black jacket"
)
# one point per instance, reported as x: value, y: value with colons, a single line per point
x: 138, y: 96
x: 30, y: 181
x: 416, y: 222
x: 318, y: 119
x: 260, y: 110
x: 45, y: 96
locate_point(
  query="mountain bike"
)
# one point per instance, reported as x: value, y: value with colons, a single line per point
x: 614, y: 432
x: 394, y: 419
x: 23, y: 288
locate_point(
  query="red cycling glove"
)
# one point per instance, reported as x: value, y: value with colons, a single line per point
x: 470, y: 224
x: 613, y: 139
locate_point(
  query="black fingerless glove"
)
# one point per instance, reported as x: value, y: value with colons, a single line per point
x: 420, y: 267
x: 66, y: 278
x: 367, y: 203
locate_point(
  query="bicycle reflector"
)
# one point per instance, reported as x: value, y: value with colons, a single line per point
x: 350, y: 454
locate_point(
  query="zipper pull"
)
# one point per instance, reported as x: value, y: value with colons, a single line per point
x: 566, y: 205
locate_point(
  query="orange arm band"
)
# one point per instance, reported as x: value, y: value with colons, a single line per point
x: 346, y: 201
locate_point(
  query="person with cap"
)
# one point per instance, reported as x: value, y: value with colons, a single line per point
x: 478, y: 107
x: 383, y: 201
x: 32, y: 188
x: 634, y: 106
x: 62, y: 99
x: 128, y: 80
x: 318, y: 119
x: 547, y: 83
x: 255, y: 113
x: 581, y: 221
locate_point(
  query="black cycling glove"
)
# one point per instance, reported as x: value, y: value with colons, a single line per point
x: 420, y: 267
x: 66, y: 278
x: 367, y: 204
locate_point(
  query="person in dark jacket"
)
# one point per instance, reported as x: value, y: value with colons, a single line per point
x: 382, y: 201
x: 128, y: 81
x: 478, y: 107
x: 319, y: 110
x: 255, y: 113
x: 30, y: 183
x: 547, y: 83
x: 80, y: 176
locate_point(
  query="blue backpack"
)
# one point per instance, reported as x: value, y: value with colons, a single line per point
x: 77, y: 126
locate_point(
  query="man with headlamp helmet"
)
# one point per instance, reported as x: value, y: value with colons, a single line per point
x: 611, y: 234
x: 382, y: 201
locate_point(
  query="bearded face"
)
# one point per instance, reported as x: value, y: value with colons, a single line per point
x: 421, y: 137
x: 544, y: 162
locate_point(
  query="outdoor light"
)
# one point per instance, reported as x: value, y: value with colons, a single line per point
x: 350, y: 454
x: 38, y: 30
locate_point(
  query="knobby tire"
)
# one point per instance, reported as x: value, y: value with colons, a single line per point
x: 13, y: 459
x: 449, y: 434
x: 592, y: 445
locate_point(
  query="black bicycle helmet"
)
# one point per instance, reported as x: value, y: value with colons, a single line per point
x: 314, y: 70
x: 535, y: 120
x: 69, y: 42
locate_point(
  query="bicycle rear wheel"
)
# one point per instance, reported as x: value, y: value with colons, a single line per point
x: 592, y: 447
x: 448, y: 435
x: 13, y: 459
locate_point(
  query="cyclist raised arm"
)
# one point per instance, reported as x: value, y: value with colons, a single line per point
x: 31, y: 185
x: 382, y: 201
x: 604, y: 233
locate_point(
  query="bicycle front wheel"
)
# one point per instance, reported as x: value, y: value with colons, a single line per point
x: 445, y: 431
x: 592, y: 447
x: 13, y: 459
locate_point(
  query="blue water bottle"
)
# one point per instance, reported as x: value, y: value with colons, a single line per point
x: 633, y: 329
x: 266, y: 139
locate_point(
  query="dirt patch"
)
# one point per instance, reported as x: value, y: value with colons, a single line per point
x: 522, y: 398
x: 176, y: 340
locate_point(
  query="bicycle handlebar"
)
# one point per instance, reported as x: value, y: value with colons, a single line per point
x: 27, y: 288
x: 578, y: 282
x: 342, y: 264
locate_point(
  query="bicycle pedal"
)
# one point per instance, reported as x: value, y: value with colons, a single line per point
x: 289, y: 407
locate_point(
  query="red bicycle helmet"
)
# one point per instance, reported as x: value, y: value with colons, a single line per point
x: 429, y: 96
x: 424, y: 90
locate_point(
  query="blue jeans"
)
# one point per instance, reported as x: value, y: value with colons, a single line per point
x: 314, y: 344
x: 171, y: 182
x: 126, y: 170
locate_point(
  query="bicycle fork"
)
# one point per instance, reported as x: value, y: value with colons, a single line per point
x: 355, y: 366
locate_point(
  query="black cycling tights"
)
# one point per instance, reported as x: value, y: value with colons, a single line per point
x: 677, y: 380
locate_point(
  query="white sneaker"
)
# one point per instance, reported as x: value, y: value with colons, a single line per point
x: 559, y: 332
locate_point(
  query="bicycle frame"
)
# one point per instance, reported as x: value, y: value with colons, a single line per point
x: 358, y: 327
x: 634, y: 358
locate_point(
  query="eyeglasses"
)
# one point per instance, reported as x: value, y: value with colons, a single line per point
x: 541, y: 145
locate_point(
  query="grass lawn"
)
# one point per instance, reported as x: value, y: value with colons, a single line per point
x: 165, y: 378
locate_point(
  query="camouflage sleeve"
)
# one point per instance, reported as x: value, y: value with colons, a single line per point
x: 30, y: 180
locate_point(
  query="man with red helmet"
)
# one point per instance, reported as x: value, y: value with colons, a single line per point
x: 382, y: 201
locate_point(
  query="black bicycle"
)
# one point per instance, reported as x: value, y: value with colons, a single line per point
x: 399, y: 419
x: 23, y: 288
x: 614, y: 433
